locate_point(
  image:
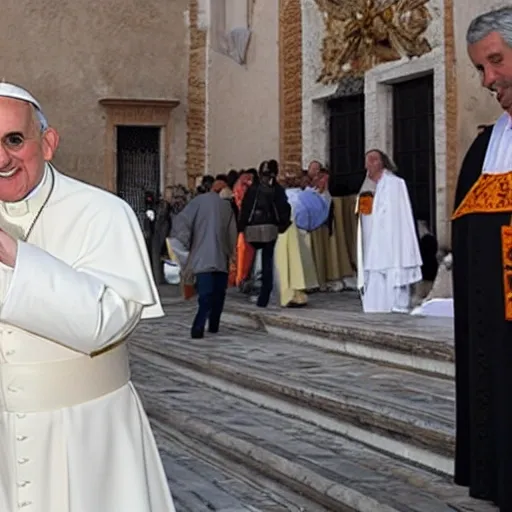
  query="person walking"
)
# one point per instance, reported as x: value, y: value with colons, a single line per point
x: 207, y: 229
x: 265, y: 213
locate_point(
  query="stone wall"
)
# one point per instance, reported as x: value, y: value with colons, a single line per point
x: 197, y: 107
x: 290, y: 84
x: 315, y: 139
x: 73, y: 54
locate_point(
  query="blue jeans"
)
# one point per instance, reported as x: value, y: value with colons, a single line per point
x: 211, y: 293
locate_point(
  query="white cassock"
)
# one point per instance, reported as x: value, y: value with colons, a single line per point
x: 73, y: 434
x: 389, y: 259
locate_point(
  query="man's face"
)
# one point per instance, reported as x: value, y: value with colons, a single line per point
x: 313, y: 169
x: 23, y: 149
x: 373, y: 162
x: 492, y: 57
x: 322, y: 182
x: 168, y: 194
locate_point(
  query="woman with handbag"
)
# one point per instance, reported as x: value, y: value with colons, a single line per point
x: 265, y: 213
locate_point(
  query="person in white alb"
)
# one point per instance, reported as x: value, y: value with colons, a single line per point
x: 75, y: 280
x: 388, y: 253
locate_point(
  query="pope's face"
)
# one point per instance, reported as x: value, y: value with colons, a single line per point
x: 23, y: 149
x: 492, y: 57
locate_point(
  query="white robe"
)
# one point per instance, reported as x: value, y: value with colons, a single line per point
x: 81, y: 282
x: 389, y: 259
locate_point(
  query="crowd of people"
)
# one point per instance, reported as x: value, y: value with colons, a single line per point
x: 283, y: 233
x: 261, y: 204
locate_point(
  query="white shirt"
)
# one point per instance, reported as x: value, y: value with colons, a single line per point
x: 498, y: 158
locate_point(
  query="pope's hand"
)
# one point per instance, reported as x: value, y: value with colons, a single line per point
x: 8, y: 249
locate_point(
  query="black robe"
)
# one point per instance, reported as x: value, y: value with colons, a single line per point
x: 483, y: 346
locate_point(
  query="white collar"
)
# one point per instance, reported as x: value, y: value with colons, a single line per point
x: 20, y: 208
x: 498, y: 157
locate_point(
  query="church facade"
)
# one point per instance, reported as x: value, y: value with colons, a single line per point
x: 303, y: 93
x: 148, y: 95
x: 408, y: 89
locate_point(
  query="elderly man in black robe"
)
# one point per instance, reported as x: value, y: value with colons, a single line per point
x: 482, y: 278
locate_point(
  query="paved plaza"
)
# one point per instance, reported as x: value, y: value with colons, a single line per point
x: 250, y: 421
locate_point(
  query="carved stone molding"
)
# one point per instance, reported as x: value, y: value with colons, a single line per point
x: 350, y: 86
x: 135, y: 112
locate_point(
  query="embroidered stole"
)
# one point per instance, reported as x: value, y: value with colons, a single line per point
x: 366, y: 196
x: 492, y: 193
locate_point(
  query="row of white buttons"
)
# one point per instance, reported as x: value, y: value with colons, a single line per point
x: 20, y: 438
x: 21, y: 461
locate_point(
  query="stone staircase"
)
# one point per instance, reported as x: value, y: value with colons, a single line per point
x: 354, y: 413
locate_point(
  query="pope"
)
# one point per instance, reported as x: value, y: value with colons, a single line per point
x: 75, y: 280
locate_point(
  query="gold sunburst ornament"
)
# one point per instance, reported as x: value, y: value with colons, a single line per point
x: 360, y: 34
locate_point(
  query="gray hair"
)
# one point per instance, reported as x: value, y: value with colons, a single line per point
x: 499, y: 20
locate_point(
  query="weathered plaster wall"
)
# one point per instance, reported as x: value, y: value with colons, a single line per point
x: 243, y: 100
x: 476, y: 105
x: 71, y: 54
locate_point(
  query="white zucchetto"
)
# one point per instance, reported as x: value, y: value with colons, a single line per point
x: 18, y: 93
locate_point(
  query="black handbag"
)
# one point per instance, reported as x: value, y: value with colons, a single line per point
x: 260, y: 233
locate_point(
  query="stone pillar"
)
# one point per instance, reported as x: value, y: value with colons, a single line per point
x: 290, y: 85
x: 196, y: 117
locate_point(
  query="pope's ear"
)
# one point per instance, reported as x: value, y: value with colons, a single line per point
x: 50, y: 141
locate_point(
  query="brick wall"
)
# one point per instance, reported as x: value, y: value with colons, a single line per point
x: 290, y: 83
x: 196, y: 117
x: 451, y: 108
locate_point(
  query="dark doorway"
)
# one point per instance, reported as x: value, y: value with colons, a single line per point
x: 138, y: 165
x: 414, y: 152
x: 346, y: 136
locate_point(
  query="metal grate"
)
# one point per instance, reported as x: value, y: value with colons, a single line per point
x: 414, y: 153
x: 346, y: 132
x: 138, y: 165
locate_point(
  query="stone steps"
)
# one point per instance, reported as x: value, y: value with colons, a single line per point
x: 413, y: 343
x: 329, y: 469
x: 203, y: 480
x: 398, y: 412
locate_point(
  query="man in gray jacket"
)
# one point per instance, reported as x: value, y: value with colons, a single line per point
x: 207, y: 227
